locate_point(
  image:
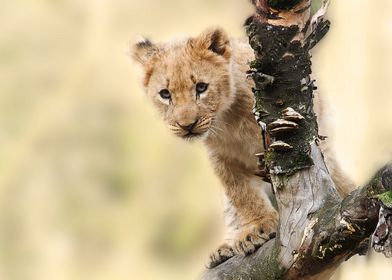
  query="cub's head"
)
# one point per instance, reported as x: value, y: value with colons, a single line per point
x: 188, y: 80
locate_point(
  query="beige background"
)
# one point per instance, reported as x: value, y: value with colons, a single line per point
x: 93, y: 186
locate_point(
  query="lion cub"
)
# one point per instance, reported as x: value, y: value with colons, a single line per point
x: 200, y: 88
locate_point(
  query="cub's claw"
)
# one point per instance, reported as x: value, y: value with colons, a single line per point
x: 222, y: 254
x: 255, y: 235
x: 251, y: 242
x: 247, y: 243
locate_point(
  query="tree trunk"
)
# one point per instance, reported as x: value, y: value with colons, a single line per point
x: 317, y: 229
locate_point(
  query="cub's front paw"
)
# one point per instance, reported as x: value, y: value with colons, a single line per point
x: 222, y: 254
x: 254, y: 236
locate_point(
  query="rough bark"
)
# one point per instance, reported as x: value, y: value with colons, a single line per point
x: 333, y: 233
x: 317, y: 230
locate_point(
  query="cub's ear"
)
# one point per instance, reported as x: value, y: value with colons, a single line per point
x: 215, y: 40
x: 143, y: 50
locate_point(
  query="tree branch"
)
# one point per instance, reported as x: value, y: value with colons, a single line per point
x: 317, y: 230
x: 332, y: 234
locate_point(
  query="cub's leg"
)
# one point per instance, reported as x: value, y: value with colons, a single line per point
x: 344, y: 184
x: 250, y: 218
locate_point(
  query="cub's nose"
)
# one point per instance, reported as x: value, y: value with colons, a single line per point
x: 188, y: 127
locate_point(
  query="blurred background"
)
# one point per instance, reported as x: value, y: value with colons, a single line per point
x: 93, y: 186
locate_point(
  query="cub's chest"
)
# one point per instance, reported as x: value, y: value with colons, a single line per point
x: 238, y: 148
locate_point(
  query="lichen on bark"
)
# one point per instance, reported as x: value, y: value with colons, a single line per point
x: 281, y: 56
x: 386, y: 198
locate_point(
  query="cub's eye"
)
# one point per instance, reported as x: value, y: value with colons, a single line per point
x: 201, y: 87
x: 165, y: 94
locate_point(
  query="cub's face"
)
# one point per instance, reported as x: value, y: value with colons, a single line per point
x: 188, y: 81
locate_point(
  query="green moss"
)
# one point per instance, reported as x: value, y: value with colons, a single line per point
x: 270, y: 267
x: 254, y: 64
x: 386, y: 198
x: 377, y: 185
x: 266, y: 268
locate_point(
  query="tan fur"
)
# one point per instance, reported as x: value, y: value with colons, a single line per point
x: 224, y: 121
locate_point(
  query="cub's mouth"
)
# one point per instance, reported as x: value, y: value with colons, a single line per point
x: 192, y: 135
x: 198, y: 129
